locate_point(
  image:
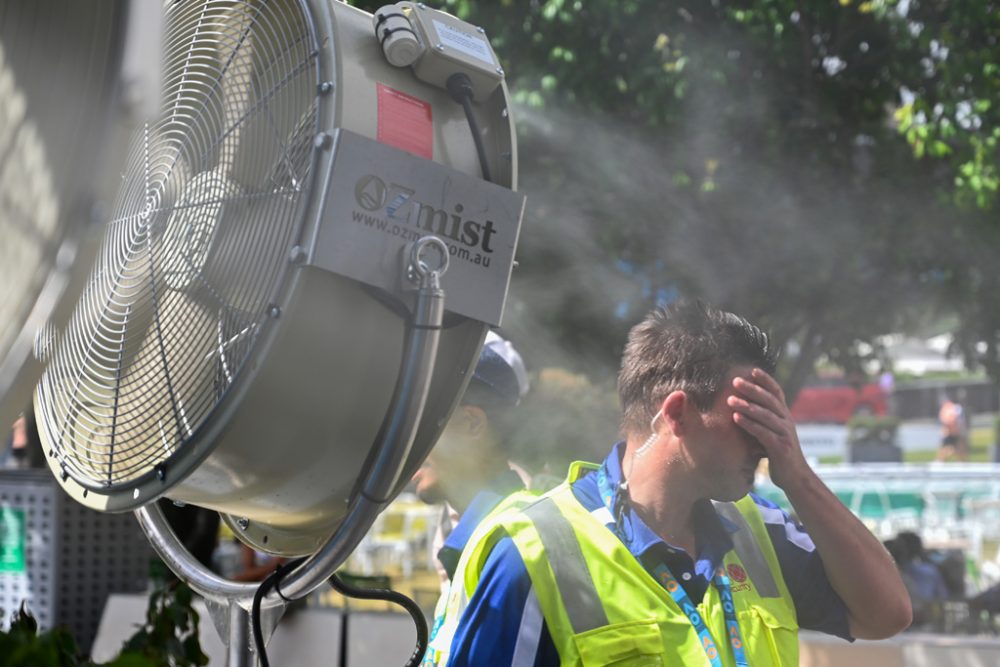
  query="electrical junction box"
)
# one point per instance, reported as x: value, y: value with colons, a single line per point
x: 447, y: 46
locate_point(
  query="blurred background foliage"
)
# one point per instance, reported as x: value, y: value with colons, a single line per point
x: 567, y: 417
x: 827, y: 169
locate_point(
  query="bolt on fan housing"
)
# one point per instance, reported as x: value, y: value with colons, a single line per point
x: 238, y: 343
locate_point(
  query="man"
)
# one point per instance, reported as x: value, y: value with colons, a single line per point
x: 660, y: 556
x: 23, y: 449
x: 954, y: 430
x: 923, y: 578
x: 469, y: 470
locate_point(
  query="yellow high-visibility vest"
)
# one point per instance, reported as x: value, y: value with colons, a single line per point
x: 448, y: 609
x: 602, y: 607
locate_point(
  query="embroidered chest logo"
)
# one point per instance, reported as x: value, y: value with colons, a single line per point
x: 737, y: 573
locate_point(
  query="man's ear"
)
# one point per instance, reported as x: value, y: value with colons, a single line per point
x: 673, y: 411
x: 476, y: 420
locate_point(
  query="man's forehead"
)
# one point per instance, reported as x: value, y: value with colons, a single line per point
x: 739, y: 370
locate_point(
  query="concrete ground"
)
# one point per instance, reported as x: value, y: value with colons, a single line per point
x: 313, y: 636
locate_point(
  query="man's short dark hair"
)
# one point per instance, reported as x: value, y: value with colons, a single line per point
x: 688, y: 346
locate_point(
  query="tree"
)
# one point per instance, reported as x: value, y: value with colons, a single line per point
x: 951, y: 115
x: 743, y: 152
x: 951, y: 84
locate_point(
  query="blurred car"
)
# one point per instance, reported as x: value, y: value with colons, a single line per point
x: 835, y: 400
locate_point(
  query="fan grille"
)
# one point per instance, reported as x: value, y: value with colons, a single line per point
x: 210, y: 203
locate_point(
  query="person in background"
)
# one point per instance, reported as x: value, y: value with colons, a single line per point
x: 469, y: 470
x: 659, y: 554
x: 925, y: 581
x: 24, y: 447
x: 15, y: 449
x: 256, y: 565
x: 954, y: 430
x: 887, y: 383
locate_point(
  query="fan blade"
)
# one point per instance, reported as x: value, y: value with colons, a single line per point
x: 112, y: 408
x: 267, y: 151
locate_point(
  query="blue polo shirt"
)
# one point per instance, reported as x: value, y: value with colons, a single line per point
x: 482, y: 504
x: 503, y: 624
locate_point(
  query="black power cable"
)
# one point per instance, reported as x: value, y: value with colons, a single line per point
x: 395, y: 597
x: 459, y: 86
x: 271, y: 581
x: 347, y: 590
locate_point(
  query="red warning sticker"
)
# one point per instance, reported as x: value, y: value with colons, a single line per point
x: 405, y: 122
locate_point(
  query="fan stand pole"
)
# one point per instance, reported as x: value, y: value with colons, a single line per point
x: 228, y: 601
x: 238, y: 651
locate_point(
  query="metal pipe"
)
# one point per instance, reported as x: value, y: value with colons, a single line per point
x: 238, y: 652
x: 416, y: 380
x: 183, y: 564
x: 406, y: 410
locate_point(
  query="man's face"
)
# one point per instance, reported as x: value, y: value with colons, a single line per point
x: 427, y: 482
x: 454, y: 459
x: 727, y: 455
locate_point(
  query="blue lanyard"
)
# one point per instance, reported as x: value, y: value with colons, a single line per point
x: 432, y: 655
x: 604, y: 486
x: 663, y: 575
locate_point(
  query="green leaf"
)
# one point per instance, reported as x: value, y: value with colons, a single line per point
x: 130, y: 659
x: 551, y: 9
x: 904, y: 117
x: 939, y: 149
x: 193, y: 653
x: 23, y: 622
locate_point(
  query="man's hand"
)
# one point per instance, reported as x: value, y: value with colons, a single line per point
x: 759, y: 408
x: 859, y: 567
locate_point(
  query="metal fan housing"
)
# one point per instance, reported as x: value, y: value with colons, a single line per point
x: 239, y: 342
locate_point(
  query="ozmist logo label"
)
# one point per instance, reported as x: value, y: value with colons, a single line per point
x: 737, y: 573
x: 370, y: 193
x: 399, y: 205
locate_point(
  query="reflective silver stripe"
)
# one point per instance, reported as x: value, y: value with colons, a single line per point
x: 603, y: 514
x: 748, y: 550
x: 529, y: 633
x: 576, y: 588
